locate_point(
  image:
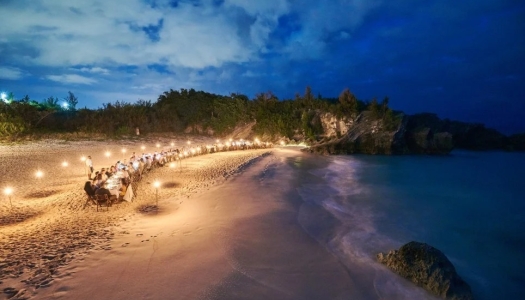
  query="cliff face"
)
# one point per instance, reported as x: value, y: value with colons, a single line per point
x: 333, y: 126
x: 369, y: 135
x: 464, y: 135
x: 414, y: 134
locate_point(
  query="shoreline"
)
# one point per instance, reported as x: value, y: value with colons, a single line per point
x: 232, y: 240
x: 53, y: 230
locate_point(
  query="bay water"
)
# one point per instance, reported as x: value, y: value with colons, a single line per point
x: 469, y: 205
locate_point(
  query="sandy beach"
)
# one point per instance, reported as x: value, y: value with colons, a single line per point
x: 209, y: 237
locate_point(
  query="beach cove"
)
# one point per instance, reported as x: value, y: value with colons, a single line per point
x: 273, y: 224
x: 227, y: 226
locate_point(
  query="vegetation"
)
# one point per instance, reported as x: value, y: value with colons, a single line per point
x: 176, y: 111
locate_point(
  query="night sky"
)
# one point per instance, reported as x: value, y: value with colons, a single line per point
x: 463, y: 60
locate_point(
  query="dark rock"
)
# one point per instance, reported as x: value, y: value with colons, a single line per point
x: 472, y: 136
x: 424, y: 141
x: 517, y: 142
x: 480, y: 138
x: 429, y: 268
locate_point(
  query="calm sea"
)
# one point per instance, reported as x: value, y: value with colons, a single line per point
x: 470, y: 205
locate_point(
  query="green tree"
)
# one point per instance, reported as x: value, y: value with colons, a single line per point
x: 348, y: 101
x: 374, y: 108
x: 71, y: 101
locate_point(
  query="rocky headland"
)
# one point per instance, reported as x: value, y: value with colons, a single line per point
x: 413, y: 134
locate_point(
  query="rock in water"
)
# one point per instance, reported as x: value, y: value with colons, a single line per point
x: 429, y: 268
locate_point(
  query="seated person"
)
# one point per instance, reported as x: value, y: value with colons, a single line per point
x: 105, y: 191
x: 104, y: 174
x: 89, y: 188
x: 112, y: 171
x: 148, y: 163
x: 125, y: 176
x: 98, y: 182
x: 123, y: 188
x: 136, y: 165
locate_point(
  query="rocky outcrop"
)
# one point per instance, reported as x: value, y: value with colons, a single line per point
x: 429, y: 268
x: 517, y: 142
x: 334, y: 126
x: 425, y: 141
x: 464, y: 135
x: 477, y: 137
x: 364, y: 135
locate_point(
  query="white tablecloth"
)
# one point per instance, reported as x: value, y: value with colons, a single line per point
x: 114, y: 183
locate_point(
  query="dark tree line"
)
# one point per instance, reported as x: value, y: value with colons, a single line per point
x: 175, y: 111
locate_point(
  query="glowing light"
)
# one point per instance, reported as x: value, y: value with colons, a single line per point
x: 172, y: 144
x: 83, y: 158
x: 172, y: 165
x: 64, y: 164
x: 156, y: 184
x: 8, y: 191
x: 108, y: 154
x: 192, y: 150
x: 39, y: 174
x: 3, y: 96
x: 217, y: 141
x: 123, y: 150
x: 282, y: 143
x: 231, y: 140
x: 142, y: 147
x: 65, y: 105
x: 189, y: 143
x: 158, y: 145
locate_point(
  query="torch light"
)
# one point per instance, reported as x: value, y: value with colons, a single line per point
x: 8, y: 191
x: 156, y: 184
x: 172, y: 166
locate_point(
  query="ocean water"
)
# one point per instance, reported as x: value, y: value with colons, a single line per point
x: 469, y: 205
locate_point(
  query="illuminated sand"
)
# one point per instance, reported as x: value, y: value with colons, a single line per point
x: 46, y: 226
x: 225, y: 230
x: 237, y: 240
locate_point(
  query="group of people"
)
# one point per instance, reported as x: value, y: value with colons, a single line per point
x: 133, y: 170
x: 97, y: 184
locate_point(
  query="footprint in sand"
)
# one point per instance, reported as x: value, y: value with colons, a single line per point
x: 125, y: 244
x: 144, y: 241
x: 139, y: 234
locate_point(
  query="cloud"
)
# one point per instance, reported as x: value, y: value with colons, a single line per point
x: 95, y: 70
x: 10, y: 73
x: 265, y: 15
x: 321, y: 20
x: 111, y: 33
x: 71, y: 78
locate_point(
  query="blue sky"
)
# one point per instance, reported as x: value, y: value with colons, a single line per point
x: 463, y: 60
